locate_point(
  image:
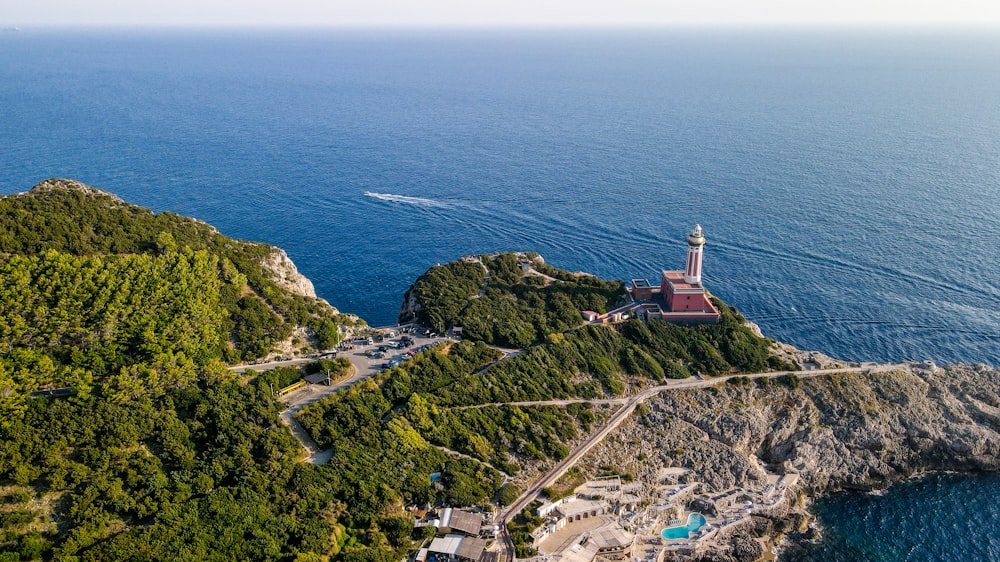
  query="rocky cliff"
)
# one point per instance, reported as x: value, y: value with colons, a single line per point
x: 286, y: 275
x: 851, y: 431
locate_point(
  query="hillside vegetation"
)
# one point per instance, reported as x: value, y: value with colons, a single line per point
x: 388, y: 432
x: 94, y: 259
x: 453, y: 400
x: 516, y: 309
x: 158, y: 452
x: 152, y: 450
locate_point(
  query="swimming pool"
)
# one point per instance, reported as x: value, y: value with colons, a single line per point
x: 695, y: 521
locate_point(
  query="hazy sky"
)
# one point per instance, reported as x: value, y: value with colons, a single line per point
x: 495, y: 12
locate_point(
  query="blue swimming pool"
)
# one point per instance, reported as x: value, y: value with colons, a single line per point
x: 695, y: 521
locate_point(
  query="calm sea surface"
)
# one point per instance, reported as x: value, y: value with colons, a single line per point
x: 941, y: 517
x: 848, y: 182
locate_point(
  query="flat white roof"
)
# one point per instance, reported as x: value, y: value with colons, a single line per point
x: 579, y: 506
x: 447, y: 544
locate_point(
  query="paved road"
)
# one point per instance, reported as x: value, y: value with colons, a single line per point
x: 565, y: 402
x: 505, y: 353
x: 261, y: 367
x: 299, y: 399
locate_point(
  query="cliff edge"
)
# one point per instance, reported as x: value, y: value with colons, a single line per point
x: 836, y: 432
x: 286, y: 275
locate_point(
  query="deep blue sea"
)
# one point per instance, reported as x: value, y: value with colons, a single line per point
x: 848, y: 181
x: 938, y: 518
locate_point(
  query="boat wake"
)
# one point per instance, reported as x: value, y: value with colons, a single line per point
x: 419, y: 201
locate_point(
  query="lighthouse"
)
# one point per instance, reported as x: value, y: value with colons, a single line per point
x: 696, y: 243
x: 680, y: 298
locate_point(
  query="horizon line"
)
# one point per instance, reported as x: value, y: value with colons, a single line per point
x: 12, y: 26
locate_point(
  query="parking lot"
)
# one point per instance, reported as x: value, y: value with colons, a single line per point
x: 366, y: 364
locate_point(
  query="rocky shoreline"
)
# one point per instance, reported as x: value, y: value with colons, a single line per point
x: 835, y: 432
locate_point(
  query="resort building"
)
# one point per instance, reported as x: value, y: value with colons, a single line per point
x: 613, y: 542
x: 564, y: 512
x: 607, y: 543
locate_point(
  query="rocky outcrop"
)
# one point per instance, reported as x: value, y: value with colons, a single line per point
x: 410, y: 308
x: 286, y: 275
x: 847, y: 431
x: 58, y: 184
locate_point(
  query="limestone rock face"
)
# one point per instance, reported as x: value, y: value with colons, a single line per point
x: 286, y: 275
x: 410, y: 308
x: 848, y: 431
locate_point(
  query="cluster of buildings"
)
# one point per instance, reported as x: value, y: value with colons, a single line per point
x: 460, y: 537
x: 606, y: 520
x: 597, y: 507
x: 680, y: 297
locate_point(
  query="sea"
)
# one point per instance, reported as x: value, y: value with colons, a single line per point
x: 847, y: 180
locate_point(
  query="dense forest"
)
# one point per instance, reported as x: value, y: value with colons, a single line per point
x: 66, y: 218
x: 149, y: 448
x: 510, y: 300
x: 155, y: 450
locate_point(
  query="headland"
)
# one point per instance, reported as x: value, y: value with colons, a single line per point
x: 499, y: 422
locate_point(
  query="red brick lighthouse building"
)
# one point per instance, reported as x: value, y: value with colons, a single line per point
x: 681, y: 297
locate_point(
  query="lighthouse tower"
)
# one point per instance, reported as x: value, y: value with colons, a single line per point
x: 696, y: 242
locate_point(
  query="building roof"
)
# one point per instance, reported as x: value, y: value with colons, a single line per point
x: 629, y: 499
x: 471, y: 548
x: 316, y: 378
x: 611, y: 536
x: 606, y: 487
x: 465, y: 521
x: 578, y: 553
x: 447, y: 544
x: 580, y: 506
x: 676, y: 279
